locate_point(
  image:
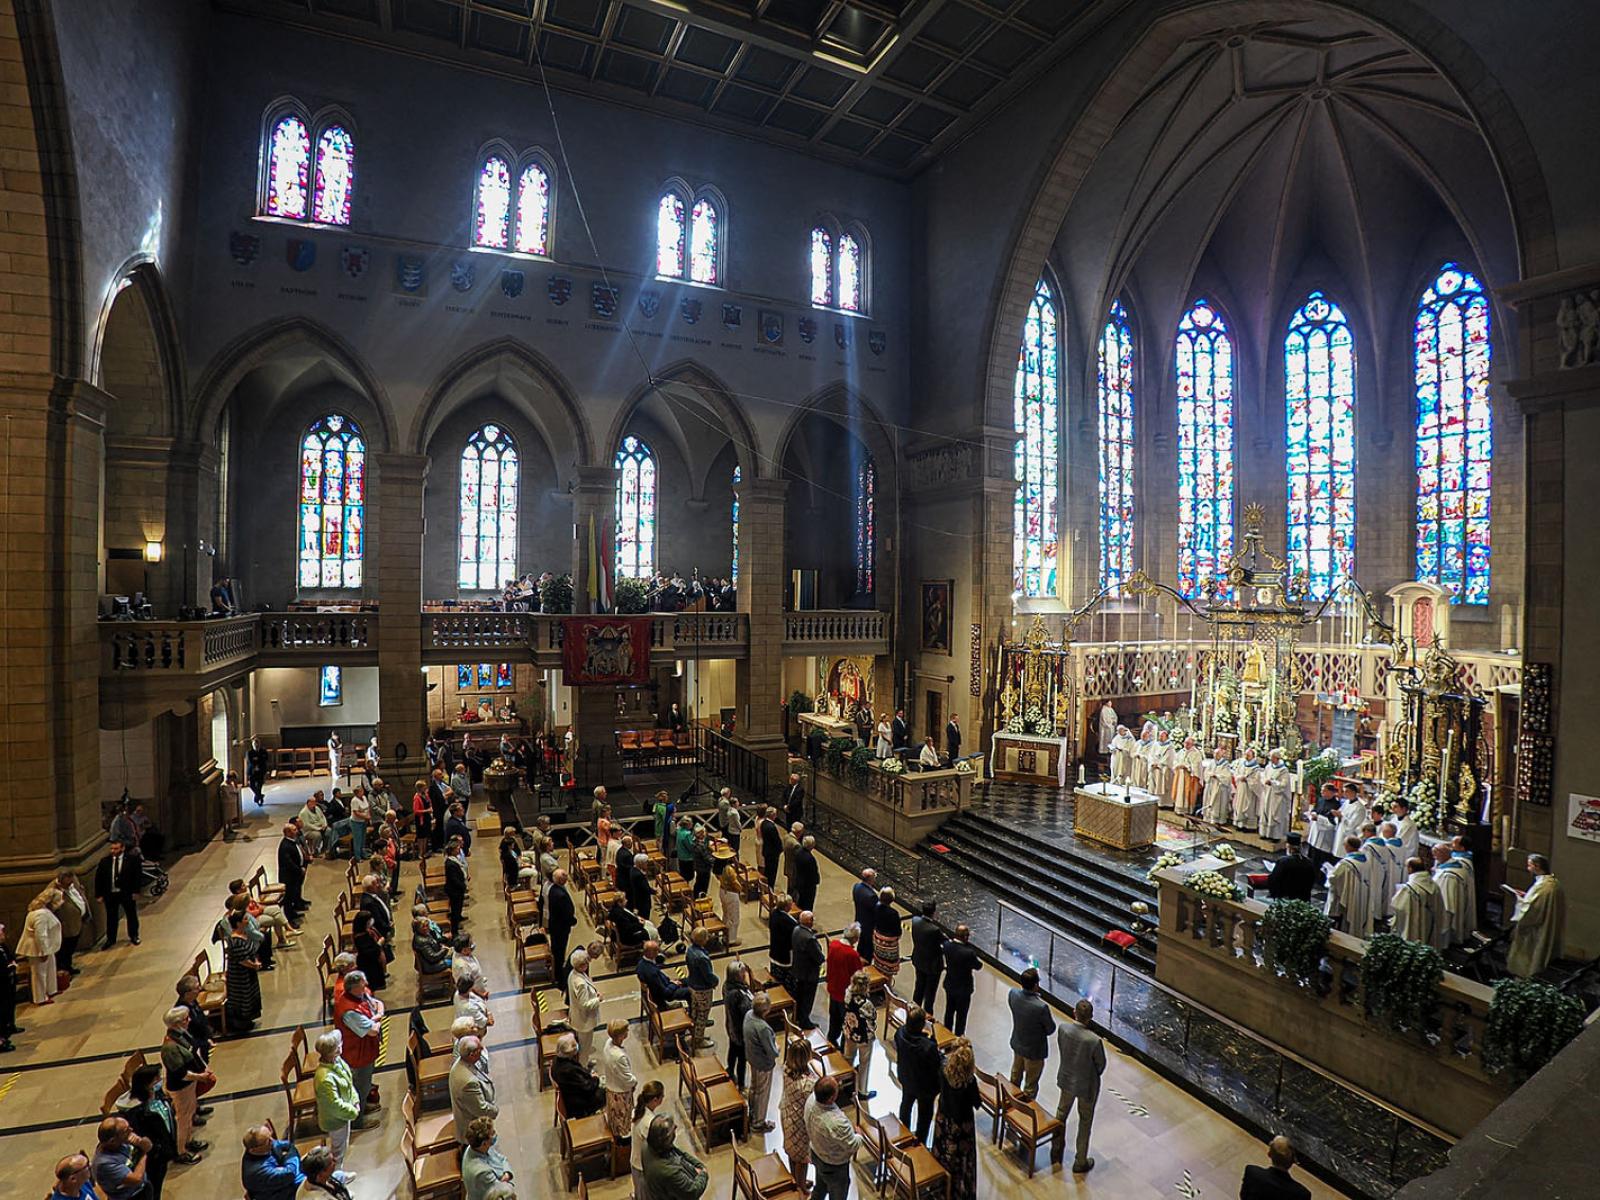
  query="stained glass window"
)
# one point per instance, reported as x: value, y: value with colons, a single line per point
x: 493, y: 225
x: 464, y: 677
x: 333, y: 493
x: 1116, y: 448
x: 1319, y: 385
x: 1205, y: 447
x: 1034, y: 548
x: 636, y: 510
x: 336, y: 176
x: 733, y: 574
x: 866, y: 526
x: 502, y: 675
x: 671, y: 236
x: 487, y: 533
x: 1454, y: 435
x: 821, y: 267
x: 485, y: 675
x: 288, y: 168
x: 330, y: 690
x: 533, y: 210
x: 704, y: 232
x: 850, y: 289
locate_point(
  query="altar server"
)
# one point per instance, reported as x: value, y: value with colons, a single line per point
x: 1386, y: 873
x: 1276, y: 782
x: 1405, y: 829
x: 1142, y: 754
x: 1188, y: 776
x: 1418, y: 907
x: 1161, y: 768
x: 1453, y: 877
x: 1319, y: 836
x: 1219, y: 787
x: 1350, y: 892
x: 1246, y: 807
x: 1122, y: 753
x: 1537, y: 923
x: 1352, y: 816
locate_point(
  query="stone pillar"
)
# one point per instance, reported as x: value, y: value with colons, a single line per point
x: 593, y: 495
x: 758, y: 678
x: 395, y: 559
x: 192, y: 522
x: 993, y: 524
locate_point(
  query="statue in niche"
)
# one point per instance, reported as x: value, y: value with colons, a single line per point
x: 1578, y: 329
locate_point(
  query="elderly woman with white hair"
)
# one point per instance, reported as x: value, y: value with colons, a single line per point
x: 338, y: 1100
x: 38, y: 943
x: 579, y: 1087
x: 186, y: 1074
x: 583, y: 1003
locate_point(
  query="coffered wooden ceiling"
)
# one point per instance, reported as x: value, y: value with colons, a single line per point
x: 883, y: 84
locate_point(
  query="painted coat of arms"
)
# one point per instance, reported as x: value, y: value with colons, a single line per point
x: 649, y: 302
x: 603, y: 300
x: 354, y: 260
x: 559, y: 290
x: 244, y: 248
x: 512, y: 283
x: 771, y: 327
x: 463, y: 275
x: 732, y: 316
x: 689, y: 310
x: 300, y: 253
x: 808, y: 329
x: 878, y: 340
x: 410, y: 274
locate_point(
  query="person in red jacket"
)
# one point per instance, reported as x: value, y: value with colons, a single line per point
x: 843, y: 962
x: 358, y: 1015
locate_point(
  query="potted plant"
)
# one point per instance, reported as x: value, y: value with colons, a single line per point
x: 632, y: 596
x: 1528, y: 1024
x: 799, y: 702
x: 555, y: 594
x: 1401, y: 981
x: 1296, y: 934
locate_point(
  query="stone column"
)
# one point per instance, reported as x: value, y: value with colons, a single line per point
x: 594, y: 494
x: 993, y: 524
x: 758, y: 678
x: 192, y: 521
x: 395, y: 559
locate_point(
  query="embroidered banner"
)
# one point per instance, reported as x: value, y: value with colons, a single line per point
x: 606, y: 649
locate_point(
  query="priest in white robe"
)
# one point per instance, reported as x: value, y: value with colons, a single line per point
x: 1277, y: 782
x: 1386, y: 871
x: 1537, y: 922
x: 1218, y: 804
x: 1460, y: 850
x: 1319, y: 835
x: 1352, y: 816
x: 1454, y: 877
x: 1141, y: 756
x: 1418, y: 907
x: 1245, y: 804
x: 1108, y: 727
x: 1122, y: 752
x: 1350, y: 892
x: 1161, y: 768
x: 1188, y: 776
x: 1406, y: 830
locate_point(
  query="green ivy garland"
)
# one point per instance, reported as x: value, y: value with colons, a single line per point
x: 833, y: 758
x: 1296, y: 935
x: 1528, y: 1024
x: 631, y: 596
x: 1401, y: 980
x: 799, y: 702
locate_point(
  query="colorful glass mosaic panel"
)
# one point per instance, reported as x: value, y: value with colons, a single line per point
x: 288, y: 168
x: 487, y: 530
x: 636, y: 509
x: 333, y: 458
x: 493, y: 223
x: 336, y: 176
x: 1038, y: 403
x: 1204, y: 366
x: 1117, y: 448
x: 533, y: 210
x: 1319, y: 383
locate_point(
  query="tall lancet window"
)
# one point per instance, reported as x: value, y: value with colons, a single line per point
x: 1038, y: 401
x: 1319, y: 386
x: 488, y: 518
x: 1116, y: 448
x: 1204, y: 365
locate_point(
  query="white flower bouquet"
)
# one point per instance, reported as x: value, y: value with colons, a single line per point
x: 1169, y: 859
x: 892, y: 766
x: 963, y: 767
x: 1215, y: 885
x: 1225, y: 852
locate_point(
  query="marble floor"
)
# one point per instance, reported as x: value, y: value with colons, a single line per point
x: 1151, y: 1139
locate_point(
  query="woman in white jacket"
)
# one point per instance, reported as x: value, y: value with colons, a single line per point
x: 38, y: 943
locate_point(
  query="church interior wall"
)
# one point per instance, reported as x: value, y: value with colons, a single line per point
x: 288, y: 697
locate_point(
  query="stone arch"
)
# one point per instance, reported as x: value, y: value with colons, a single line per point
x: 690, y: 384
x: 837, y: 401
x: 1144, y: 51
x: 136, y: 358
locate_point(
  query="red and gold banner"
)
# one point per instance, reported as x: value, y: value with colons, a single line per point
x: 606, y: 649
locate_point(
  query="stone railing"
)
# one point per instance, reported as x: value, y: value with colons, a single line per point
x: 322, y: 632
x: 709, y: 631
x: 835, y: 626
x: 231, y: 640
x: 492, y: 632
x: 150, y: 645
x: 1214, y: 951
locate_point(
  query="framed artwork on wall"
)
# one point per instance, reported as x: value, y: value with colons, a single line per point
x: 936, y: 615
x: 331, y: 693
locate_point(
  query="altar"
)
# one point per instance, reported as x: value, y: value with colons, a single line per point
x: 1117, y: 815
x: 1030, y: 758
x: 833, y: 727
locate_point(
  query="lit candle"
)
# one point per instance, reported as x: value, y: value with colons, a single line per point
x: 1081, y: 779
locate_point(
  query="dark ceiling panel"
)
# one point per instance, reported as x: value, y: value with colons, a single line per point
x: 520, y: 8
x: 628, y: 70
x: 766, y: 68
x: 702, y: 48
x: 1051, y: 14
x: 857, y: 31
x: 583, y: 16
x: 562, y: 53
x: 365, y: 10
x: 802, y: 16
x: 850, y: 135
x: 496, y: 35
x: 821, y: 87
x: 880, y: 105
x: 895, y: 151
x: 688, y: 86
x: 797, y: 119
x: 916, y: 65
x: 433, y: 18
x: 643, y: 30
x: 1006, y: 50
x: 925, y: 122
x: 965, y: 86
x: 744, y: 104
x: 953, y: 26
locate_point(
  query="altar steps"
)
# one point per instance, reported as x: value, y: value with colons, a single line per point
x: 1069, y: 891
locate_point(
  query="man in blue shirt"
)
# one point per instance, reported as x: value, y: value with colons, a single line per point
x: 72, y: 1179
x: 120, y: 1159
x: 663, y: 990
x: 271, y: 1167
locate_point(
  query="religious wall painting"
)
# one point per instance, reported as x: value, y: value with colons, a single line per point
x: 559, y: 289
x: 300, y: 254
x: 512, y: 283
x: 244, y: 248
x: 649, y: 303
x: 354, y: 260
x: 937, y: 617
x: 330, y: 687
x: 410, y: 274
x: 485, y: 675
x: 771, y: 324
x: 1583, y: 817
x: 463, y: 275
x: 848, y: 685
x: 1422, y: 622
x: 603, y: 300
x: 606, y: 650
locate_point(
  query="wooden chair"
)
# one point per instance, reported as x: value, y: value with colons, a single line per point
x: 433, y: 1176
x: 114, y: 1093
x: 432, y: 985
x: 989, y: 1098
x: 914, y: 1171
x: 894, y: 1014
x: 264, y: 892
x: 765, y: 899
x: 522, y: 910
x: 1025, y: 1120
x: 702, y: 916
x: 834, y: 1066
x: 305, y: 1059
x: 624, y: 957
x: 666, y: 1025
x: 696, y: 1070
x: 717, y: 1104
x: 816, y: 1039
x: 301, y: 1094
x: 764, y: 1179
x: 584, y: 1140
x: 213, y: 990
x: 430, y: 1073
x: 535, y: 965
x: 431, y: 1133
x: 326, y: 975
x: 879, y: 1136
x: 544, y: 1046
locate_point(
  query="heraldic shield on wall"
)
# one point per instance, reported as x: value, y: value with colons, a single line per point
x: 606, y: 650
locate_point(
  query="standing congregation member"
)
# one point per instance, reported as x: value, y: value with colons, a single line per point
x: 761, y: 1047
x: 961, y: 963
x: 1083, y: 1062
x: 955, y: 1133
x: 472, y: 1091
x: 702, y: 983
x: 834, y: 1142
x: 864, y: 895
x: 121, y: 1159
x: 578, y: 1086
x: 736, y: 1001
x: 38, y: 943
x: 1031, y: 1027
x: 671, y: 1173
x: 771, y: 834
x: 270, y: 1169
x: 1419, y: 914
x: 798, y: 1082
x: 807, y: 872
x: 560, y: 918
x: 731, y: 894
x: 338, y: 1104
x: 952, y: 737
x: 152, y: 1118
x: 886, y: 930
x: 805, y: 969
x: 116, y: 885
x: 583, y: 1004
x: 241, y: 953
x: 844, y: 960
x: 780, y: 942
x: 186, y: 1075
x: 619, y: 1081
x: 358, y: 1014
x: 74, y: 908
x: 1273, y: 1182
x: 651, y: 1096
x: 255, y: 770
x: 292, y: 859
x: 859, y: 1015
x: 919, y: 1063
x: 927, y: 955
x: 72, y: 1179
x: 794, y: 801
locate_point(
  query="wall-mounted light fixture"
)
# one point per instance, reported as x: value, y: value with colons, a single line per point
x: 152, y: 552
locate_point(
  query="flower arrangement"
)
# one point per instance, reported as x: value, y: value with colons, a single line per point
x: 1320, y: 768
x: 1528, y: 1024
x: 1225, y: 852
x: 1215, y: 885
x: 963, y: 766
x: 1424, y: 804
x: 1167, y: 860
x: 1016, y: 725
x: 892, y: 766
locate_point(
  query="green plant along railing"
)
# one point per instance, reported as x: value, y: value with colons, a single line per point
x: 1528, y: 1024
x: 1400, y: 980
x: 1296, y: 935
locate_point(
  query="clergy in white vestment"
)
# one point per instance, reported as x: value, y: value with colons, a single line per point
x: 1147, y: 730
x: 1537, y: 923
x: 1390, y: 832
x: 1453, y: 877
x: 1406, y: 830
x: 1352, y: 816
x: 1350, y: 892
x: 1277, y: 781
x: 1188, y: 776
x: 1141, y: 756
x: 1108, y: 727
x: 1459, y: 850
x: 1122, y: 751
x: 1386, y: 871
x: 1319, y: 834
x: 1219, y: 787
x: 1245, y: 805
x: 1418, y: 907
x: 1161, y: 768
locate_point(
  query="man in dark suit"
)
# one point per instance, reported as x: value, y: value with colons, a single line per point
x: 771, y: 844
x: 805, y: 968
x: 1274, y: 1183
x: 559, y: 920
x: 439, y: 801
x: 865, y: 897
x: 1294, y: 875
x: 455, y: 883
x: 927, y: 955
x: 292, y: 858
x: 664, y: 990
x: 780, y: 944
x: 807, y: 874
x: 952, y: 738
x: 899, y: 730
x: 116, y: 885
x: 961, y: 963
x: 638, y: 883
x: 255, y: 770
x: 376, y: 905
x: 919, y: 1062
x: 794, y: 801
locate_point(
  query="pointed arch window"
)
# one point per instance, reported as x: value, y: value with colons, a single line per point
x: 487, y: 530
x: 837, y: 259
x: 705, y: 233
x: 1116, y: 448
x: 1204, y: 365
x: 866, y: 526
x: 672, y: 236
x: 533, y: 210
x: 1319, y: 385
x: 1038, y: 399
x: 636, y: 509
x: 821, y: 267
x: 851, y: 289
x: 288, y: 167
x: 333, y: 494
x: 493, y: 220
x: 1454, y: 435
x: 336, y: 176
x: 733, y: 571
